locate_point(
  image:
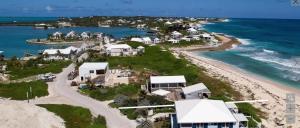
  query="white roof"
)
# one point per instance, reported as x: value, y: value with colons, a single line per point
x: 240, y: 117
x: 161, y: 92
x: 203, y: 111
x: 146, y: 39
x: 136, y: 39
x: 176, y: 33
x: 168, y: 22
x: 140, y: 47
x: 192, y: 30
x: 94, y: 65
x: 118, y: 46
x: 205, y: 35
x: 194, y: 88
x: 167, y: 79
x: 62, y: 51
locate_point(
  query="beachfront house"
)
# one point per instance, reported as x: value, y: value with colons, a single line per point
x: 118, y: 50
x: 85, y: 35
x: 203, y: 113
x: 56, y: 35
x: 166, y: 82
x: 196, y: 91
x: 97, y: 72
x: 60, y: 54
x: 71, y: 35
x: 64, y: 24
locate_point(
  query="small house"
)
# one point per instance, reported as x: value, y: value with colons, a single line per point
x: 94, y: 70
x: 197, y: 91
x: 118, y: 50
x: 166, y: 82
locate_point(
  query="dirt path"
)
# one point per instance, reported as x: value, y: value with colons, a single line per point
x: 61, y: 93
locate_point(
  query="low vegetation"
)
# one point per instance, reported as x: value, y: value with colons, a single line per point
x: 21, y: 69
x: 108, y: 93
x: 76, y: 117
x: 18, y: 91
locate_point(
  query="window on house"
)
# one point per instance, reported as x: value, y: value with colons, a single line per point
x: 91, y: 71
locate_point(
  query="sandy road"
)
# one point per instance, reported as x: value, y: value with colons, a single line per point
x: 61, y: 93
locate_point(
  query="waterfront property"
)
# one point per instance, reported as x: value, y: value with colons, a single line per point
x: 60, y: 54
x: 166, y: 82
x: 97, y: 72
x: 204, y: 113
x: 196, y: 91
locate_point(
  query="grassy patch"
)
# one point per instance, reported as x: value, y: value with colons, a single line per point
x: 17, y: 91
x: 76, y: 117
x: 183, y: 43
x: 18, y: 70
x: 103, y: 94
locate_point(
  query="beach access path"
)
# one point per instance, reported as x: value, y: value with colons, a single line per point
x: 60, y: 92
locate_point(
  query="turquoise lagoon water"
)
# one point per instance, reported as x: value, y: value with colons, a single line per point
x: 271, y: 48
x: 13, y: 38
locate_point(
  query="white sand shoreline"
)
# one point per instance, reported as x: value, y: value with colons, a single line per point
x: 251, y: 86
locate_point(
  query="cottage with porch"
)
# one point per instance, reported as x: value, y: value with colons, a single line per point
x: 166, y: 82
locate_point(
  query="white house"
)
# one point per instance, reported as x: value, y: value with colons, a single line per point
x: 192, y: 31
x: 118, y: 49
x: 59, y: 54
x: 176, y: 34
x: 94, y: 70
x: 168, y: 23
x: 71, y: 34
x: 173, y: 41
x: 206, y: 36
x: 186, y: 39
x: 147, y: 40
x: 156, y: 40
x: 166, y: 82
x: 57, y: 35
x: 84, y: 35
x: 203, y: 113
x: 197, y: 91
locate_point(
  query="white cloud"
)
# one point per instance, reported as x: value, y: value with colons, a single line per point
x: 49, y: 8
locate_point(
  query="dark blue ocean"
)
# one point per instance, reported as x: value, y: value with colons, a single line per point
x: 271, y: 48
x: 13, y: 38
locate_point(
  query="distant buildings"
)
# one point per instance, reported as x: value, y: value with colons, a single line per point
x: 145, y: 40
x: 206, y: 114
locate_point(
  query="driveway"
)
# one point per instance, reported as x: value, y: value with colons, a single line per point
x: 61, y: 93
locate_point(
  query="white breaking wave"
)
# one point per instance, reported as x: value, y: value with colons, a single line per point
x: 244, y: 41
x: 290, y: 67
x: 269, y: 51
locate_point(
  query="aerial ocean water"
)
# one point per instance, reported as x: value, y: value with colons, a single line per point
x: 270, y: 47
x: 13, y: 38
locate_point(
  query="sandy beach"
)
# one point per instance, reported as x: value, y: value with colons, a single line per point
x: 251, y: 87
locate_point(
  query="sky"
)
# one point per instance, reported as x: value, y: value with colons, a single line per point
x: 198, y: 8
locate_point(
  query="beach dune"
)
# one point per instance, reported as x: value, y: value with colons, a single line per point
x: 251, y: 87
